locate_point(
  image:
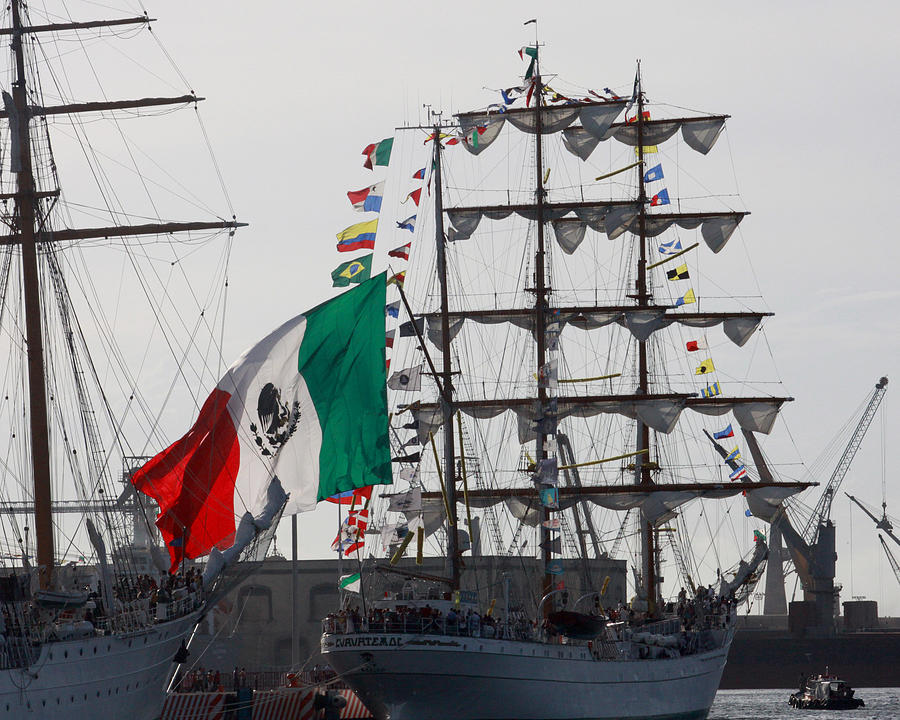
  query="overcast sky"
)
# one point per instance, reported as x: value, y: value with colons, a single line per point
x: 296, y: 90
x: 295, y: 95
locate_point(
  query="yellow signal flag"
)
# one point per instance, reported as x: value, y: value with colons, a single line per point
x: 605, y: 585
x: 439, y: 136
x: 705, y: 367
x: 648, y: 149
x: 679, y: 273
x: 711, y: 390
x: 686, y: 299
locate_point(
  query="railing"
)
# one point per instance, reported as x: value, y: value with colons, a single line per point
x: 203, y: 680
x: 22, y: 636
x: 662, y: 627
x: 139, y: 614
x: 415, y: 625
x: 185, y: 605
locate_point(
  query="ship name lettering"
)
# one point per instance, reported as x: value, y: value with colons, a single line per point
x: 367, y: 641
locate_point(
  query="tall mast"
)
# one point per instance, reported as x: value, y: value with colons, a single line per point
x: 446, y: 369
x: 642, y: 462
x: 30, y: 230
x: 37, y: 393
x: 540, y: 290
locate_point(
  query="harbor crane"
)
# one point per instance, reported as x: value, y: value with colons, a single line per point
x: 891, y: 559
x: 812, y: 551
x: 821, y: 515
x: 883, y: 523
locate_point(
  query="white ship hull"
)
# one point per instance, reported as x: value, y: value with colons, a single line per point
x: 114, y: 676
x: 427, y: 677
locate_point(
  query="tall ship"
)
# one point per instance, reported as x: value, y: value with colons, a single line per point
x: 93, y: 619
x: 573, y: 355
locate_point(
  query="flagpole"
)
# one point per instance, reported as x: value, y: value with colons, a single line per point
x: 340, y: 550
x: 295, y: 646
x: 359, y: 568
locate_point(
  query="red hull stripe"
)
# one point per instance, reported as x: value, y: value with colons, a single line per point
x: 354, y: 709
x: 190, y: 706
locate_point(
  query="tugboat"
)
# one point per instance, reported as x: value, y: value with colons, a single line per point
x: 824, y: 692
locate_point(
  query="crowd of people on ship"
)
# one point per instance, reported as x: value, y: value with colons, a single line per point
x: 137, y: 600
x: 203, y: 680
x: 706, y: 603
x: 696, y: 611
x: 144, y: 592
x: 139, y: 596
x: 426, y: 619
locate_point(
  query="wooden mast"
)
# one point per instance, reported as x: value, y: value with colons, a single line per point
x: 642, y: 462
x: 37, y: 394
x: 55, y: 27
x: 446, y: 368
x: 29, y: 235
x: 540, y: 301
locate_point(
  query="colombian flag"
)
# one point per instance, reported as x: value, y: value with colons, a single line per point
x: 358, y: 237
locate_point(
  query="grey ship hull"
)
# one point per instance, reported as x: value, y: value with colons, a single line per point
x: 424, y: 677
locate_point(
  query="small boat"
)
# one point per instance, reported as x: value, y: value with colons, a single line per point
x: 824, y: 692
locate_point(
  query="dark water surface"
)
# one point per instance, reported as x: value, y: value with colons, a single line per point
x: 881, y: 703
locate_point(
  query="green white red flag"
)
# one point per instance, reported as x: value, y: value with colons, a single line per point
x: 307, y: 404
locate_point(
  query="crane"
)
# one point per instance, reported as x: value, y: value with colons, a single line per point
x: 812, y: 551
x: 891, y: 559
x: 822, y: 512
x: 882, y: 523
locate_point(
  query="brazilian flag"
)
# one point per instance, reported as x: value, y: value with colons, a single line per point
x: 355, y: 271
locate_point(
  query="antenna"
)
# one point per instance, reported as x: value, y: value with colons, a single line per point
x: 529, y: 22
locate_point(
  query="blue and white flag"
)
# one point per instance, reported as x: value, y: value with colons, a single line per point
x: 654, y: 173
x: 670, y: 248
x: 408, y: 224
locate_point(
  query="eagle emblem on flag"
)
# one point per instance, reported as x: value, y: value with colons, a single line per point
x: 277, y: 421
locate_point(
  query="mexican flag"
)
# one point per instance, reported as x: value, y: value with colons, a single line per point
x: 378, y: 153
x: 351, y: 583
x: 307, y: 404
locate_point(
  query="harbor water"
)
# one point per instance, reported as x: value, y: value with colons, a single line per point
x: 881, y: 704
